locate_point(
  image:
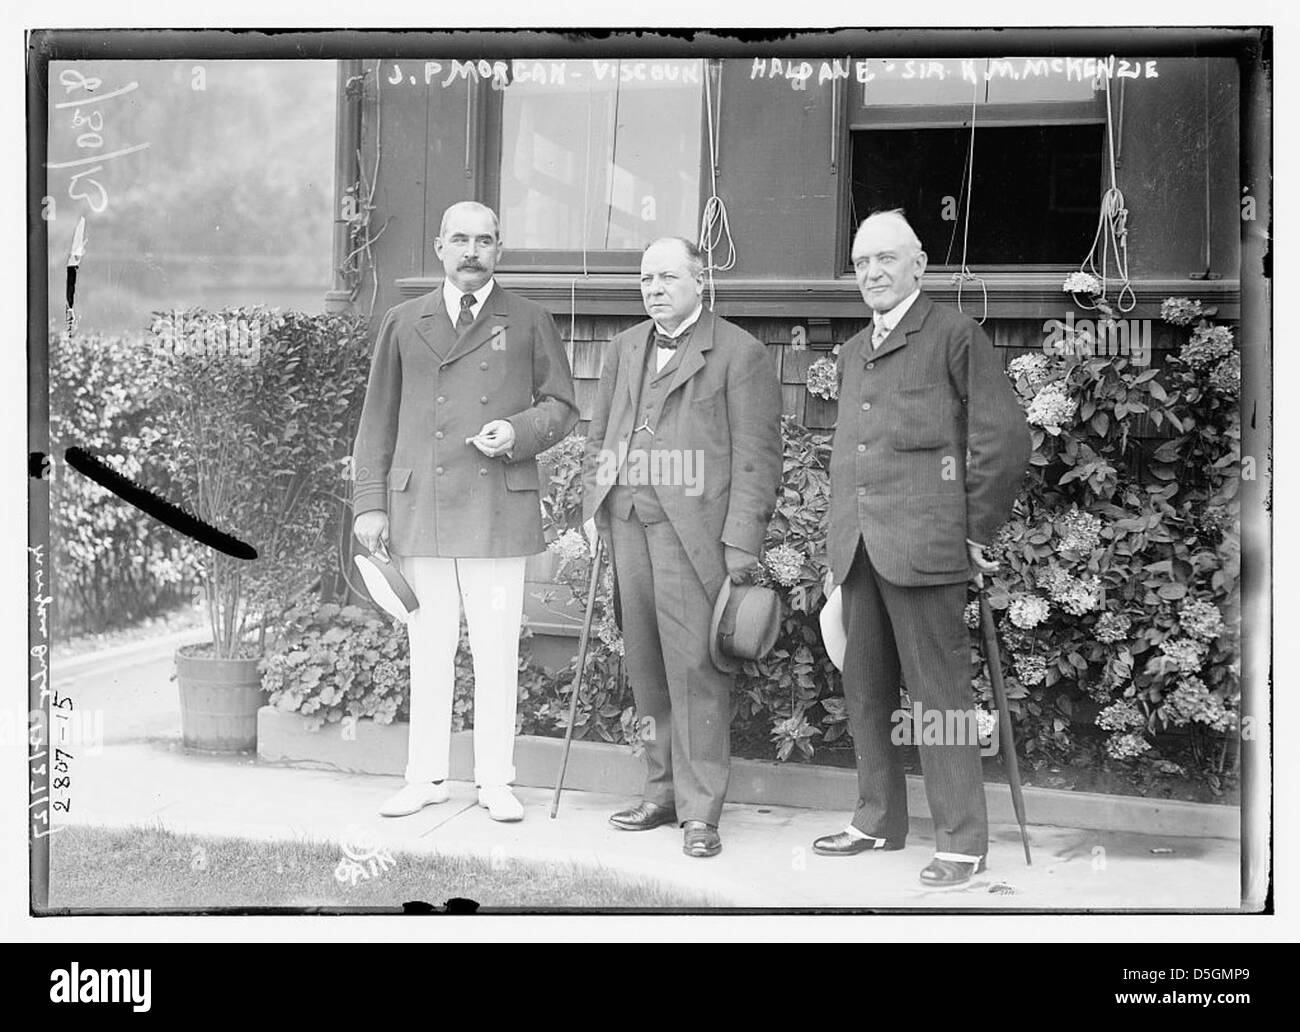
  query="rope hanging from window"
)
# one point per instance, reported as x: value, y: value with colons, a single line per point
x: 586, y: 190
x: 715, y: 227
x: 964, y: 274
x: 1112, y: 233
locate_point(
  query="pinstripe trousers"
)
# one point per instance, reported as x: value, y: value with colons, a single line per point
x: 917, y: 632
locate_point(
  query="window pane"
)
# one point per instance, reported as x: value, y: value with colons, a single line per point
x: 600, y: 163
x: 1036, y: 199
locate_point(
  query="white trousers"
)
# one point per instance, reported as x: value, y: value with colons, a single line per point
x: 492, y: 591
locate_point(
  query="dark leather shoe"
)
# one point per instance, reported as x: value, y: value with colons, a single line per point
x: 844, y: 844
x: 701, y: 839
x: 944, y: 874
x: 643, y: 817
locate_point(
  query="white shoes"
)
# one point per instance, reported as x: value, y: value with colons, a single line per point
x: 499, y: 801
x: 414, y: 798
x: 501, y: 804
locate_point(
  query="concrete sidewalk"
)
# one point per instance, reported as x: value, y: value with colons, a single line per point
x: 766, y: 862
x: 143, y: 776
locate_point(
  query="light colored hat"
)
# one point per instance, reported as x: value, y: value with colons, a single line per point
x: 387, y: 587
x: 834, y: 636
x: 745, y: 625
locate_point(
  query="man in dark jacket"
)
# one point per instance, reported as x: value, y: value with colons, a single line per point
x: 930, y: 448
x: 468, y: 384
x: 682, y: 468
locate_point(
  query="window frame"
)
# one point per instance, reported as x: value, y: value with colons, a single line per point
x: 570, y: 260
x: 904, y: 117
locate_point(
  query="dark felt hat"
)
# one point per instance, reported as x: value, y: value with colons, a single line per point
x: 745, y: 625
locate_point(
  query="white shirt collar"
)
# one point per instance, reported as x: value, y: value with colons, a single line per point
x: 888, y: 320
x: 687, y: 323
x: 451, y: 298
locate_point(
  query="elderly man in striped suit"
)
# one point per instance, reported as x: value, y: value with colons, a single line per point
x: 930, y: 448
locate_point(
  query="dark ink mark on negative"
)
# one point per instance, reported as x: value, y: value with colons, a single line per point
x: 38, y: 465
x: 457, y: 905
x: 418, y: 906
x: 148, y: 502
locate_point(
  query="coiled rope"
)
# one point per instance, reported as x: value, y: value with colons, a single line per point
x: 1112, y: 233
x: 715, y: 227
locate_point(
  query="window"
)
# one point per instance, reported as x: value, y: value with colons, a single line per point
x: 1039, y: 146
x: 598, y: 156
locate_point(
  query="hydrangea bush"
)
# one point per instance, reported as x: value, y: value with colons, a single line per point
x: 335, y: 662
x: 1118, y: 595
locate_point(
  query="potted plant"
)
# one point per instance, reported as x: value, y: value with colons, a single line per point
x: 255, y: 411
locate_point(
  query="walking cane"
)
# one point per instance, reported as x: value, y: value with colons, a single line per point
x: 596, y: 563
x: 994, y: 659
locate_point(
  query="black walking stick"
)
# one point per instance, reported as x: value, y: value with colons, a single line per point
x: 994, y: 659
x: 596, y: 564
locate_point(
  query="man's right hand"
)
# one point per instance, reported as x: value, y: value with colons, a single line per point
x: 370, y: 528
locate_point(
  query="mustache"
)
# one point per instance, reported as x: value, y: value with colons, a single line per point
x: 471, y: 263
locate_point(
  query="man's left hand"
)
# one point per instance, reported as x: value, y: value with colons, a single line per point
x: 741, y: 565
x: 979, y: 563
x: 496, y: 438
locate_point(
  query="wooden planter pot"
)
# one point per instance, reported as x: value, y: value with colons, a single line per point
x: 219, y: 702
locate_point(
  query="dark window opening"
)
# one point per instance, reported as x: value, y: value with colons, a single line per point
x: 1036, y: 197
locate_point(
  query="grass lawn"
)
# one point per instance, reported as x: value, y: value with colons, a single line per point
x: 151, y: 869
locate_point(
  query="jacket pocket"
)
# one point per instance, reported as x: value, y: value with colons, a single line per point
x: 522, y: 476
x: 937, y: 530
x: 398, y: 479
x: 923, y: 417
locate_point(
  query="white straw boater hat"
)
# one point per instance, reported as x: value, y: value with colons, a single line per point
x: 387, y: 587
x: 832, y: 622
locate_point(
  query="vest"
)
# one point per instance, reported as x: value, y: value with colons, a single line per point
x: 625, y: 497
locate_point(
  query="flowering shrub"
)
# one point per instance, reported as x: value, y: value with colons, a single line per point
x: 333, y: 662
x: 1134, y: 582
x: 821, y: 381
x: 605, y: 706
x: 1082, y: 283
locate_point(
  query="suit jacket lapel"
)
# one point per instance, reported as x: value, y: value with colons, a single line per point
x: 909, y: 324
x: 440, y: 338
x: 633, y: 360
x: 691, y: 360
x: 493, y: 318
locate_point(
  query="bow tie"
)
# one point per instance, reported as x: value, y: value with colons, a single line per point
x: 662, y: 340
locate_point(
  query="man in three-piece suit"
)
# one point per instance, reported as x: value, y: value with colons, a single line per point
x: 693, y: 396
x: 930, y: 448
x: 467, y: 385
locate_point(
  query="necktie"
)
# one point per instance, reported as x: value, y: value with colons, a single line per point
x: 662, y: 340
x: 879, y: 331
x: 466, y: 315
